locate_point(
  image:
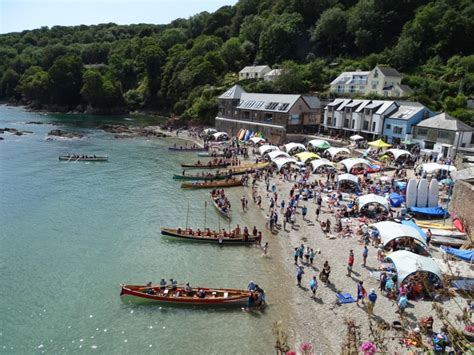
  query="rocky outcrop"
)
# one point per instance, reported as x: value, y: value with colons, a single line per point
x: 63, y: 134
x: 14, y: 131
x: 124, y: 131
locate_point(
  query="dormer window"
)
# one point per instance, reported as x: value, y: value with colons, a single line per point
x: 376, y: 73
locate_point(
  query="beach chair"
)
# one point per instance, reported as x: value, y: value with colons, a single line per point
x: 343, y: 298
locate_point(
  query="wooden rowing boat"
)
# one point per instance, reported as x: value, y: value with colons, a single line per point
x: 205, y: 166
x: 233, y: 171
x: 219, y: 239
x: 213, y: 296
x: 211, y: 184
x: 207, y: 154
x: 83, y: 158
x: 424, y: 224
x: 207, y: 177
x: 226, y: 214
x: 446, y: 233
x: 453, y: 242
x: 185, y: 149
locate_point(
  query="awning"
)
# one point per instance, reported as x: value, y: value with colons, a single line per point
x: 305, y: 156
x: 280, y: 162
x: 351, y: 162
x: 397, y: 153
x: 294, y: 148
x: 256, y: 140
x: 319, y: 144
x: 333, y: 151
x: 316, y: 164
x: 348, y: 177
x: 407, y: 263
x: 431, y: 167
x: 267, y: 148
x: 372, y: 198
x: 277, y: 154
x: 389, y: 231
x: 379, y: 144
x: 356, y: 137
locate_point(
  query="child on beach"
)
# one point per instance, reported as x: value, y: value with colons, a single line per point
x: 313, y: 285
x: 265, y: 250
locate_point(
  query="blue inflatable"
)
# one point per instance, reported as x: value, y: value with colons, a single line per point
x: 396, y: 200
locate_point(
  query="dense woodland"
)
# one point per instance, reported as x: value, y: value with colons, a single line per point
x: 181, y: 67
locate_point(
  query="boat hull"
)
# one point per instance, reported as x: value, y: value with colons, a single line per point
x: 226, y: 215
x: 204, y: 166
x: 204, y: 185
x: 100, y: 158
x: 240, y: 240
x: 172, y: 149
x: 199, y: 178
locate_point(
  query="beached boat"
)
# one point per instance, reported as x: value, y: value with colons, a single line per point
x: 212, y: 297
x: 220, y: 239
x: 212, y: 184
x: 207, y: 154
x: 446, y: 233
x: 452, y: 242
x: 226, y: 213
x: 205, y: 166
x: 206, y: 177
x: 82, y: 157
x: 187, y: 149
x: 425, y: 224
x: 231, y: 171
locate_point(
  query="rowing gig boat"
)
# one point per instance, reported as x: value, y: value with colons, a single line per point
x: 184, y: 149
x: 424, y: 224
x: 453, y: 242
x: 226, y: 214
x: 174, y: 233
x: 201, y: 177
x: 211, y: 184
x: 445, y: 233
x: 205, y: 166
x: 85, y: 158
x: 213, y: 296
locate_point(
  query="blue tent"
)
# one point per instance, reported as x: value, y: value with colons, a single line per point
x: 396, y: 200
x: 466, y: 255
x: 411, y: 223
x: 429, y: 211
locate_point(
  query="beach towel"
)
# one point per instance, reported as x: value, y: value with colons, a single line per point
x: 344, y: 298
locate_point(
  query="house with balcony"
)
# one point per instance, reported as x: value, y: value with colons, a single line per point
x: 254, y: 72
x: 272, y: 114
x: 443, y: 134
x: 399, y: 124
x: 350, y: 82
x: 386, y: 81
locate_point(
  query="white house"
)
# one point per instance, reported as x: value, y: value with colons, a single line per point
x: 272, y: 75
x: 254, y: 72
x: 350, y: 82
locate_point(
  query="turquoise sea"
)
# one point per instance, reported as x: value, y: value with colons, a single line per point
x: 71, y: 232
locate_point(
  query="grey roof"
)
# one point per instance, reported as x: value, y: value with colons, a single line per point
x: 267, y: 102
x: 354, y: 103
x: 405, y: 88
x: 445, y: 122
x: 387, y: 71
x: 255, y: 69
x: 336, y: 102
x: 405, y: 112
x: 312, y: 101
x: 233, y: 93
x: 349, y: 77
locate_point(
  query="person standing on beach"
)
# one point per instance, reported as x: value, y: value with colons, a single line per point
x: 313, y: 285
x: 296, y: 253
x: 318, y: 211
x: 304, y: 212
x: 372, y: 298
x: 361, y: 292
x: 265, y: 250
x: 350, y: 263
x: 312, y: 254
x: 365, y: 253
x: 428, y: 237
x: 299, y: 275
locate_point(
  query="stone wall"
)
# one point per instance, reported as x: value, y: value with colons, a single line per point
x: 462, y: 204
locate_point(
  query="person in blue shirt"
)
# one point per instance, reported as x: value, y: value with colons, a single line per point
x: 402, y: 304
x: 372, y: 299
x: 365, y: 253
x: 299, y: 275
x: 313, y: 285
x: 304, y: 212
x: 162, y: 284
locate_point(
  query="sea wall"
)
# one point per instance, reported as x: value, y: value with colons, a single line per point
x: 461, y: 204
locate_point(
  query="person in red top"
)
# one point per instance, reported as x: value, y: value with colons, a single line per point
x: 350, y: 263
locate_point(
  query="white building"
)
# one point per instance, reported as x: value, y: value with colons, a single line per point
x: 254, y: 72
x: 350, y: 82
x: 272, y: 75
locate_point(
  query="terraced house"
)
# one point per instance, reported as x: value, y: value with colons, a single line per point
x: 274, y: 115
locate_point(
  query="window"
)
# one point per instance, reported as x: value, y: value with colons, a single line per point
x: 373, y: 126
x: 366, y: 126
x: 353, y: 124
x: 376, y: 73
x: 346, y: 123
x: 397, y: 130
x: 421, y: 132
x: 271, y: 106
x: 329, y: 121
x: 429, y: 145
x: 443, y: 135
x: 388, y: 126
x: 268, y: 117
x: 283, y: 107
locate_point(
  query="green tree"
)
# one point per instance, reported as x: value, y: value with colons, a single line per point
x: 8, y: 84
x: 153, y: 58
x: 233, y: 54
x: 34, y: 85
x: 65, y: 80
x: 330, y: 29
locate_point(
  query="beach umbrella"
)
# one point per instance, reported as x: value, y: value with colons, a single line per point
x: 356, y: 137
x: 379, y: 144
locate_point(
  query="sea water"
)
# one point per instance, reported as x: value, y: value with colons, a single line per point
x: 72, y: 232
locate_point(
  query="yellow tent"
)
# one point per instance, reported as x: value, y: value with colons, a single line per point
x: 305, y: 156
x: 379, y: 144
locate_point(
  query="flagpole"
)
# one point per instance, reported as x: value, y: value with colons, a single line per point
x: 205, y: 214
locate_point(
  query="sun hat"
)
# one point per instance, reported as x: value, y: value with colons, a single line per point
x: 372, y: 290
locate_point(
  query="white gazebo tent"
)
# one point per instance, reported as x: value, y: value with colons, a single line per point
x: 293, y: 148
x: 318, y: 163
x: 256, y: 140
x: 333, y: 152
x: 389, y: 231
x: 407, y: 263
x: 219, y: 136
x: 431, y: 167
x: 397, y: 153
x: 349, y: 163
x: 372, y: 199
x: 348, y: 177
x: 277, y: 154
x: 318, y: 143
x: 356, y: 137
x: 267, y: 148
x: 281, y: 162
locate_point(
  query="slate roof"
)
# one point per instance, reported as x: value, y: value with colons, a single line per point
x: 387, y: 71
x: 445, y: 122
x: 267, y: 102
x: 233, y: 93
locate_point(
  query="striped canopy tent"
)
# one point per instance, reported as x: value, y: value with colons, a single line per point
x: 333, y: 152
x: 318, y: 144
x: 282, y: 161
x: 397, y: 153
x: 256, y: 140
x: 354, y: 162
x: 319, y: 163
x: 267, y: 148
x: 306, y: 156
x: 293, y: 148
x: 277, y: 154
x: 407, y: 263
x: 389, y: 231
x: 379, y: 144
x: 370, y: 199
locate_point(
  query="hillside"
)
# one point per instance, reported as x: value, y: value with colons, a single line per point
x: 180, y: 67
